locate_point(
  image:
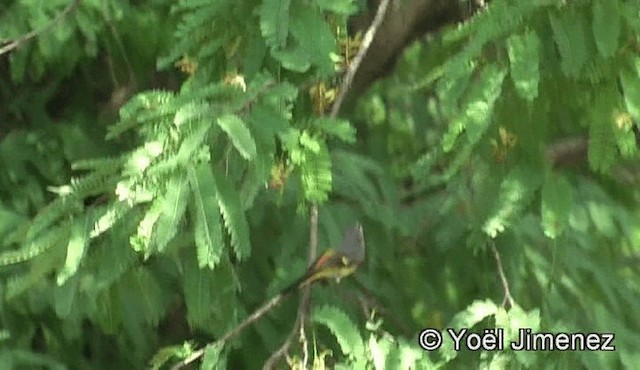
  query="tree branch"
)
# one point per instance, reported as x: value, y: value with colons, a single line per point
x: 355, y: 63
x: 255, y: 316
x: 33, y: 34
x: 508, y: 299
x: 405, y: 21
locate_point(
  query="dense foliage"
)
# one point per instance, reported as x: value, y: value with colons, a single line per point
x: 159, y: 161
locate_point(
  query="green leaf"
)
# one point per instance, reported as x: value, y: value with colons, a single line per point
x: 451, y: 87
x: 164, y: 354
x: 199, y: 293
x: 310, y: 142
x: 143, y: 295
x: 346, y: 7
x: 473, y: 314
x: 602, y: 218
x: 569, y: 33
x: 316, y: 175
x: 476, y: 117
x: 556, y: 205
x: 192, y: 142
x: 274, y: 22
x: 211, y: 358
x: 516, y: 318
x: 602, y: 142
x: 78, y: 241
x: 380, y: 349
x: 173, y: 208
x: 140, y: 109
x: 353, y: 175
x: 631, y: 87
x: 345, y: 331
x: 239, y: 135
x: 143, y: 240
x: 64, y: 296
x: 209, y: 295
x: 293, y: 58
x: 233, y: 214
x: 37, y: 246
x: 190, y: 112
x: 514, y: 193
x: 107, y: 314
x: 524, y: 58
x: 606, y: 26
x: 338, y: 128
x: 9, y: 221
x: 626, y: 141
x: 52, y: 213
x: 314, y: 36
x: 481, y: 101
x: 108, y: 219
x: 208, y: 230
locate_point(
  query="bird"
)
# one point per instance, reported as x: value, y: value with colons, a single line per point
x: 335, y: 263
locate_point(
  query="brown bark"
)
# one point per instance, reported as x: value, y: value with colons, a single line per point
x: 405, y: 21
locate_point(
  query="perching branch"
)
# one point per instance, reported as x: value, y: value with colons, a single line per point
x: 33, y: 34
x: 273, y: 302
x: 355, y: 64
x: 505, y: 284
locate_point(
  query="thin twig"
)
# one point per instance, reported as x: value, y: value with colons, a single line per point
x: 119, y: 43
x: 508, y: 298
x: 257, y: 314
x: 355, y: 63
x: 305, y: 298
x: 33, y: 34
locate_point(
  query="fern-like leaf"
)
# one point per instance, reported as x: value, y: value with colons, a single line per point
x: 606, y: 26
x: 142, y: 240
x: 64, y: 296
x: 524, y: 58
x: 556, y: 205
x: 199, y: 288
x: 343, y: 328
x: 78, y: 241
x: 631, y: 87
x: 208, y: 230
x: 477, y: 114
x: 314, y: 37
x: 569, y: 33
x: 274, y: 22
x: 315, y: 173
x: 473, y: 314
x: 174, y: 206
x: 240, y: 136
x: 514, y: 194
x: 36, y: 247
x: 48, y: 216
x: 140, y: 109
x: 233, y: 215
x: 109, y: 217
x: 602, y: 142
x: 337, y: 128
